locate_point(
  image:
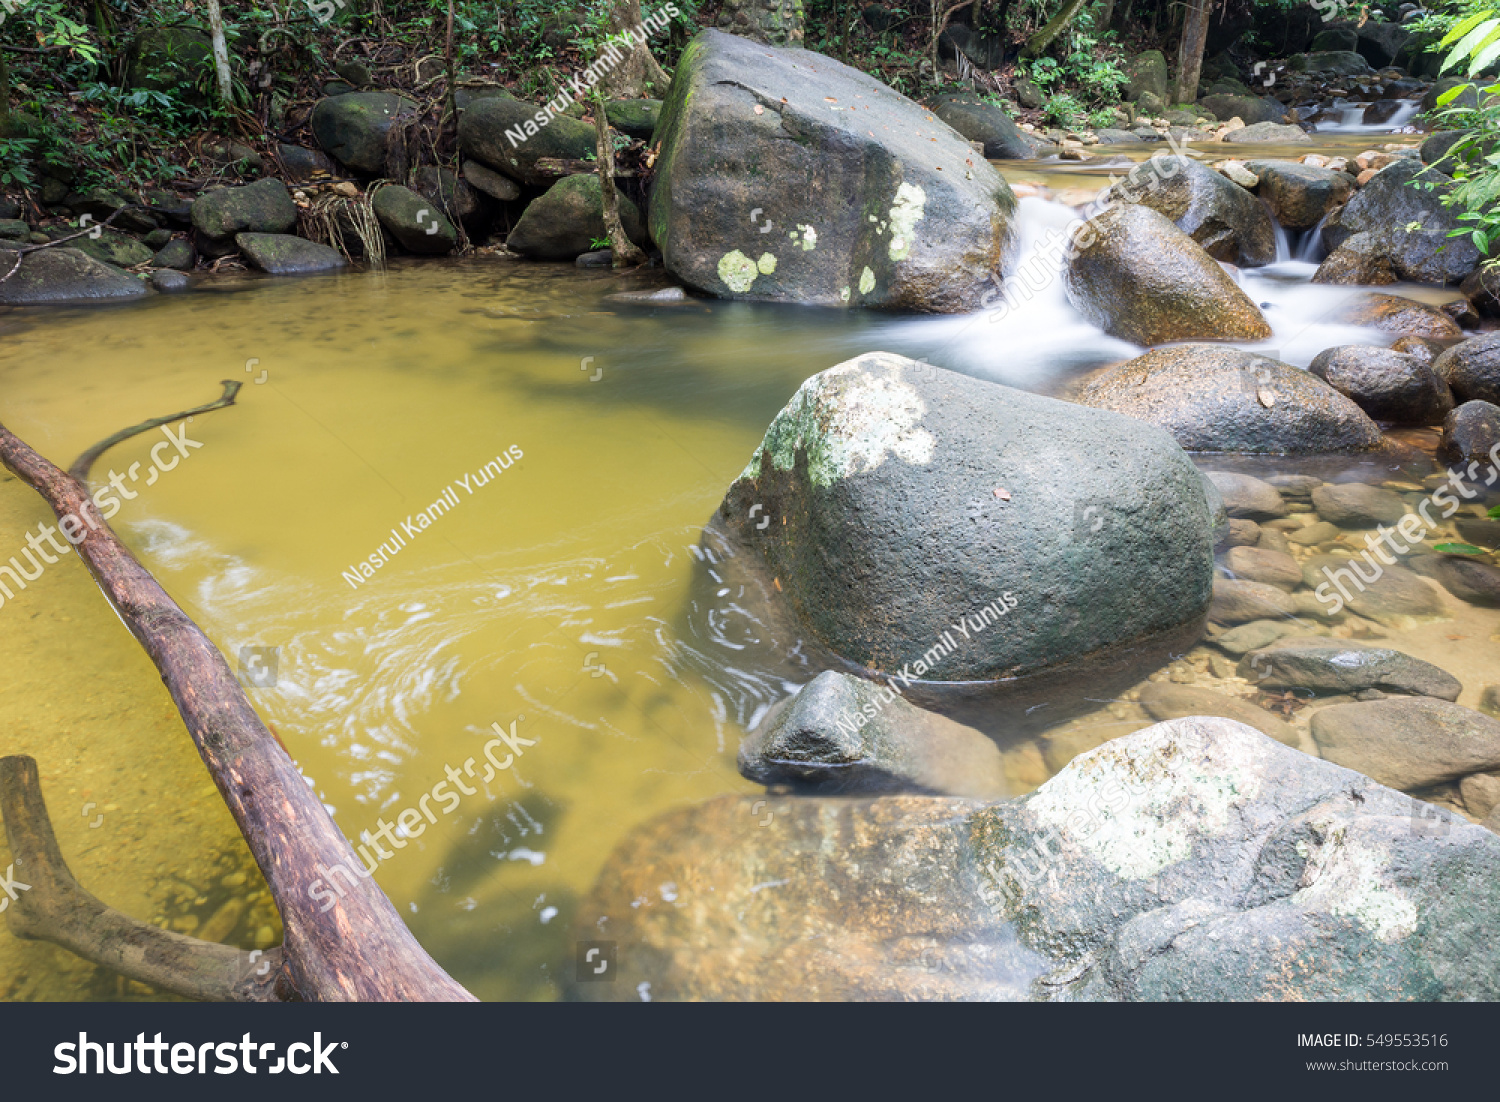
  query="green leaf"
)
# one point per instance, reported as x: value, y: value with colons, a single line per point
x: 1488, y: 53
x: 1471, y: 41
x: 1494, y: 513
x: 1463, y: 27
x: 1458, y: 549
x: 1481, y: 242
x: 1451, y: 94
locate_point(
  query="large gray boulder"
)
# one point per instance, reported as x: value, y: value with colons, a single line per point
x: 262, y: 207
x: 1389, y: 386
x: 288, y: 254
x: 1147, y: 72
x: 1269, y: 133
x: 1300, y: 196
x: 416, y: 222
x: 876, y: 463
x: 1394, y: 200
x: 1248, y: 109
x: 1138, y: 277
x: 563, y: 223
x: 1196, y: 859
x: 1408, y: 742
x: 1222, y: 217
x: 355, y: 128
x: 842, y: 735
x: 1216, y: 399
x: 1472, y: 369
x: 787, y: 176
x: 62, y: 274
x: 510, y: 136
x: 982, y: 121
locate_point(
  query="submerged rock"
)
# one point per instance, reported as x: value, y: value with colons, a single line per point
x: 1394, y: 314
x: 1271, y: 132
x: 1387, y: 385
x: 787, y: 176
x: 564, y: 223
x: 876, y: 464
x: 1357, y: 504
x: 1242, y: 602
x: 1197, y: 859
x: 1216, y: 399
x: 1247, y: 497
x: 1408, y: 743
x: 1260, y: 564
x: 847, y: 736
x: 1138, y: 277
x: 1164, y: 700
x: 1345, y: 666
x: 62, y: 274
x: 1222, y: 217
x: 1390, y: 595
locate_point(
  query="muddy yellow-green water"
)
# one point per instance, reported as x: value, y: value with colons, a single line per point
x: 558, y: 596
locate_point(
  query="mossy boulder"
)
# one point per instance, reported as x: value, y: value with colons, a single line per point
x: 355, y: 128
x: 287, y: 254
x: 262, y: 207
x: 416, y: 222
x: 635, y: 118
x: 982, y: 121
x: 63, y: 274
x: 511, y: 136
x: 564, y: 223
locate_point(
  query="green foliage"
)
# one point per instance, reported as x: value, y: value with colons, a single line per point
x: 1103, y: 117
x: 1063, y: 109
x: 1475, y: 38
x: 1091, y: 68
x: 15, y: 155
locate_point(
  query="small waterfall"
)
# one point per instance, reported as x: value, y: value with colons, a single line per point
x: 1283, y: 242
x: 1310, y: 249
x: 1404, y: 113
x: 1351, y: 117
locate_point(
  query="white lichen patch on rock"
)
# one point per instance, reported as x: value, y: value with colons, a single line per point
x: 766, y: 263
x: 737, y: 271
x: 866, y: 281
x: 906, y: 212
x: 805, y: 236
x: 1344, y: 876
x: 849, y: 419
x: 1148, y: 798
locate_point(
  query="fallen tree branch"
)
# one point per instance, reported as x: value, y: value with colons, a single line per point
x: 354, y: 946
x: 82, y: 465
x: 53, y: 907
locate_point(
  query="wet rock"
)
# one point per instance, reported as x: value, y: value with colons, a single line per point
x: 1463, y: 312
x: 1489, y: 700
x: 842, y: 735
x: 101, y: 203
x: 1357, y: 504
x: 1300, y: 195
x: 1345, y: 666
x: 1478, y: 583
x: 355, y: 128
x: 1480, y: 793
x: 1472, y: 369
x: 1381, y: 111
x: 1470, y: 434
x: 156, y: 240
x: 635, y: 118
x: 1338, y: 63
x: 1196, y: 859
x: 564, y: 222
x: 1420, y: 348
x: 1271, y: 132
x: 1237, y: 602
x: 598, y: 258
x: 1482, y: 288
x: 1314, y: 534
x: 981, y: 121
x: 13, y: 229
x: 1362, y: 260
x: 1163, y: 701
x: 1255, y: 635
x: 1408, y: 743
x: 880, y: 206
x: 1388, y: 204
x: 416, y: 222
x: 1255, y: 564
x: 1219, y: 215
x: 63, y: 275
x: 665, y: 295
x: 1216, y: 399
x: 1299, y: 487
x: 1138, y: 277
x: 118, y: 249
x: 1334, y: 38
x: 262, y: 207
x: 178, y: 254
x: 491, y: 182
x: 1394, y: 314
x: 1242, y: 533
x: 878, y: 460
x: 1469, y: 97
x: 169, y: 282
x: 1245, y: 496
x: 287, y: 254
x: 1390, y: 595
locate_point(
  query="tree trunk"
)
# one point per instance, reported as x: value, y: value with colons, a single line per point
x: 1106, y: 15
x: 221, y: 51
x: 775, y: 22
x: 625, y: 252
x: 637, y: 73
x: 1059, y: 22
x: 1190, y: 53
x: 345, y: 946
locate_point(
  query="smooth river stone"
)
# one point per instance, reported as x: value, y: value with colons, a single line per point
x: 1163, y: 700
x: 1408, y: 743
x: 1344, y: 666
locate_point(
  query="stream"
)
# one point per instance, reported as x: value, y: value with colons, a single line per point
x: 558, y: 596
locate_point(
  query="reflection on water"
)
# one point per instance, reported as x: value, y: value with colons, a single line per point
x: 567, y: 597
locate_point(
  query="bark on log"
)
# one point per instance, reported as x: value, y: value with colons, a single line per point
x: 356, y: 950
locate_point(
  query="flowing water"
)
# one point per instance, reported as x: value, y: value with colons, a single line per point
x: 567, y: 451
